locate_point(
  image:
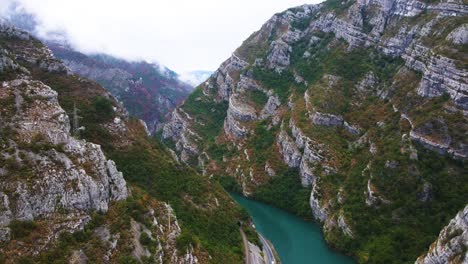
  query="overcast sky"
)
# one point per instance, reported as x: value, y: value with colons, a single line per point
x: 184, y: 35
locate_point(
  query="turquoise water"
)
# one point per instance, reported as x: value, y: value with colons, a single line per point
x: 297, y: 241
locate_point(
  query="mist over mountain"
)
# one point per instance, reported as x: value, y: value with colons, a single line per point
x: 182, y: 35
x: 149, y: 91
x: 195, y: 78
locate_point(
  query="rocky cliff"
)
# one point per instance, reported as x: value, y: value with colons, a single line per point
x: 452, y: 243
x: 82, y: 182
x: 46, y: 171
x: 358, y: 108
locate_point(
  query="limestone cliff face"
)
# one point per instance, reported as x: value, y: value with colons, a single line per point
x: 343, y: 92
x: 179, y: 131
x: 440, y: 75
x: 47, y: 171
x: 452, y: 243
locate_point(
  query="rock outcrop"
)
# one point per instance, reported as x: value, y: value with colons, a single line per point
x: 179, y: 131
x: 223, y: 78
x: 48, y: 170
x: 8, y: 30
x: 270, y: 107
x: 290, y: 152
x: 459, y: 36
x: 322, y: 119
x: 442, y: 76
x: 452, y: 243
x: 240, y: 110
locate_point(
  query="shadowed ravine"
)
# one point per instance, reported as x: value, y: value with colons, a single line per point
x: 297, y: 241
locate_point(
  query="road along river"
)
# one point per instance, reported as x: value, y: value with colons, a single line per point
x: 297, y: 241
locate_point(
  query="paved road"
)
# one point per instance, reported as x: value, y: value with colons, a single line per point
x: 253, y: 253
x: 270, y: 257
x: 246, y: 247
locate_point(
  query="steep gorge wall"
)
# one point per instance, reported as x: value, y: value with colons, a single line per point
x: 357, y: 96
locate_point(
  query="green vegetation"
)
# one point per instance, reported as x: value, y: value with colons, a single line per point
x: 338, y: 6
x: 198, y: 107
x: 117, y: 219
x: 102, y: 109
x: 285, y: 191
x: 7, y: 75
x: 251, y: 50
x: 351, y: 66
x: 407, y: 226
x: 252, y: 235
x: 230, y: 184
x: 218, y: 151
x: 262, y: 143
x: 397, y: 232
x: 22, y: 229
x: 302, y: 23
x: 280, y: 83
x: 258, y: 97
x: 214, y: 230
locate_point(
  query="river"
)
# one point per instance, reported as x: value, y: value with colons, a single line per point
x: 297, y: 241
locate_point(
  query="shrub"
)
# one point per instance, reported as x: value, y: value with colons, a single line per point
x: 103, y: 109
x: 145, y: 240
x: 261, y: 142
x: 280, y: 83
x: 230, y: 184
x: 258, y: 97
x: 22, y: 229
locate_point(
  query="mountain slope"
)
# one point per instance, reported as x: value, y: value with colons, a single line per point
x: 147, y: 91
x: 121, y: 198
x: 350, y: 112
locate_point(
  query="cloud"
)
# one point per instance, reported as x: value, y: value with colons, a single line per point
x: 184, y: 35
x: 195, y: 78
